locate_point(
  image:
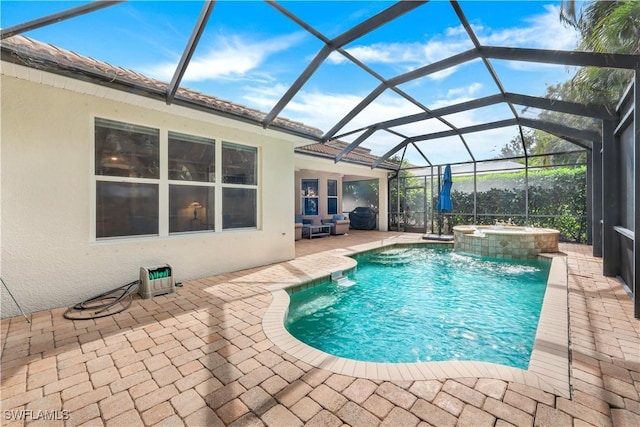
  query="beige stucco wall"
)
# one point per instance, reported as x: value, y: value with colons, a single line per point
x: 310, y: 167
x: 49, y: 258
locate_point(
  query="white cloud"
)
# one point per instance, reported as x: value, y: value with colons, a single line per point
x: 312, y: 109
x: 373, y: 53
x: 324, y: 109
x: 545, y: 31
x: 226, y: 57
x: 442, y: 75
x: 336, y: 58
x: 468, y: 91
x: 456, y: 31
x: 407, y: 56
x: 264, y: 97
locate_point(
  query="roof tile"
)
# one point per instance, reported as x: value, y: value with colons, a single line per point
x: 333, y: 148
x: 33, y: 49
x: 52, y: 58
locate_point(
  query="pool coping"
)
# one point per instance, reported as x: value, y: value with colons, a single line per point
x: 548, y: 367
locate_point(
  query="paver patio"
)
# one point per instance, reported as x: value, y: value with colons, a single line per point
x: 200, y: 358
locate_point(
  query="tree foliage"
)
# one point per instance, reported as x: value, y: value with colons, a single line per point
x: 604, y: 27
x: 557, y: 199
x: 544, y: 149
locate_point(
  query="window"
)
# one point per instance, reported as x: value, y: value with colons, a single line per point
x: 239, y: 208
x: 191, y: 158
x: 239, y: 165
x: 191, y: 208
x: 138, y: 194
x: 332, y: 200
x: 191, y: 203
x: 126, y: 209
x: 127, y: 150
x: 127, y: 168
x: 239, y: 186
x: 309, y: 196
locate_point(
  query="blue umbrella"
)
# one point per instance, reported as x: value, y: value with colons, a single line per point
x: 444, y: 201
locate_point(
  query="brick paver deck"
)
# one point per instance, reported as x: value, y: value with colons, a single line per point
x: 200, y: 358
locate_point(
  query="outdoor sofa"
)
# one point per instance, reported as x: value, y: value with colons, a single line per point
x: 300, y: 223
x: 339, y: 224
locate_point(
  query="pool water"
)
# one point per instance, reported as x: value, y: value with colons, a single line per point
x: 421, y: 304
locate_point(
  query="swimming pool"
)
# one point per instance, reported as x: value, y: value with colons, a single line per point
x: 422, y: 304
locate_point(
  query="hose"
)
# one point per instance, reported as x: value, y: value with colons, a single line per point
x: 101, y: 305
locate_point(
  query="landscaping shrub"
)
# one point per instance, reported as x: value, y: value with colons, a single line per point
x: 557, y: 199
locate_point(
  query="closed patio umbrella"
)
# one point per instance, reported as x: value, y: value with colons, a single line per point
x: 444, y: 201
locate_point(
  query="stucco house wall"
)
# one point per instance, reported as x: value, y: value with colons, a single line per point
x: 48, y: 255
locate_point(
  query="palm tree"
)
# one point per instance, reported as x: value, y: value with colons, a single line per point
x: 605, y: 27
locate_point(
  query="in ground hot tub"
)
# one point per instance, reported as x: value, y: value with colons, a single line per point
x: 505, y: 241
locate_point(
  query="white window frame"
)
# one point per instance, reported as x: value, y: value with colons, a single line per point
x: 329, y: 197
x: 123, y: 179
x: 256, y: 187
x: 213, y: 184
x: 305, y: 196
x: 163, y: 183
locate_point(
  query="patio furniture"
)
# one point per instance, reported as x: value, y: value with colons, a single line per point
x: 339, y: 224
x: 316, y: 230
x: 302, y: 225
x: 298, y: 227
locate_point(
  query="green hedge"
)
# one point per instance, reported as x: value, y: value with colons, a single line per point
x: 557, y: 199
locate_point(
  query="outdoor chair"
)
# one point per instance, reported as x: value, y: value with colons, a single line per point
x: 298, y: 227
x: 300, y: 224
x: 339, y: 224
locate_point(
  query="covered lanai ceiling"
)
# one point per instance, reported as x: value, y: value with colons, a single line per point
x: 452, y: 102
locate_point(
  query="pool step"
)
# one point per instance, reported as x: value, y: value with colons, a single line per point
x: 345, y: 282
x: 393, y: 257
x: 339, y: 279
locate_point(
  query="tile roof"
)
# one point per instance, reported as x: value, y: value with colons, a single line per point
x: 47, y: 57
x: 331, y: 149
x: 35, y: 54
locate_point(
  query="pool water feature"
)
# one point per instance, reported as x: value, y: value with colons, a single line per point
x: 421, y: 305
x: 505, y: 241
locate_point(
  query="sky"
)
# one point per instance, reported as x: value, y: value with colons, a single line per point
x: 250, y: 54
